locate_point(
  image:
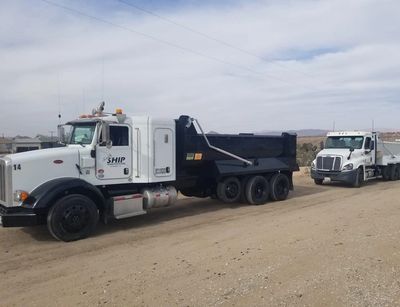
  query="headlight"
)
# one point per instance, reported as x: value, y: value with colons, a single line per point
x: 20, y: 196
x: 348, y: 167
x: 313, y: 164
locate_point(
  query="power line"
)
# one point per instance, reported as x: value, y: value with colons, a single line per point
x: 78, y: 12
x: 168, y: 43
x: 187, y: 28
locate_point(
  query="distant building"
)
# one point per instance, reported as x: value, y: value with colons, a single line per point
x: 5, y: 145
x: 48, y: 141
x: 25, y: 144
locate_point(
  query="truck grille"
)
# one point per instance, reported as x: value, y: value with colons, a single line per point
x: 2, y: 181
x: 5, y: 182
x: 329, y: 163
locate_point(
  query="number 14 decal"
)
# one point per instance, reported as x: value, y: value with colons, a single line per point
x: 17, y: 167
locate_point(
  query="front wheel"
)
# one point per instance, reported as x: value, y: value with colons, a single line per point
x: 318, y: 181
x: 359, y: 179
x: 73, y: 217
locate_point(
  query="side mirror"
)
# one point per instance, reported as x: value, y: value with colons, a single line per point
x: 105, y: 135
x: 189, y: 122
x: 61, y: 134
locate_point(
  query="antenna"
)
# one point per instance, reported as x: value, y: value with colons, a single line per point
x: 373, y: 125
x: 102, y: 79
x: 333, y: 126
x: 83, y: 99
x: 59, y: 99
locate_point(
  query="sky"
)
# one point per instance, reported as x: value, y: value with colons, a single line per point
x: 236, y: 66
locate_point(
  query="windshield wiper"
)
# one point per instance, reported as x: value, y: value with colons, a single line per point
x: 79, y: 168
x: 351, y: 151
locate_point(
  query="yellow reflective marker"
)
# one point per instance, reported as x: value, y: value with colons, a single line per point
x: 198, y: 156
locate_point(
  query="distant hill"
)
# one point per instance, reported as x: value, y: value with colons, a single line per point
x: 300, y: 133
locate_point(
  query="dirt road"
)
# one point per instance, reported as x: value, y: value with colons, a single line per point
x: 323, y: 246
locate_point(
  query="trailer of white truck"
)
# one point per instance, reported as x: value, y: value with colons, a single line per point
x: 354, y: 157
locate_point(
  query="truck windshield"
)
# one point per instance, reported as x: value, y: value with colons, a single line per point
x: 344, y: 142
x: 81, y: 134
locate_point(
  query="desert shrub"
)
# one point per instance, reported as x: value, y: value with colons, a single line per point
x: 306, y: 153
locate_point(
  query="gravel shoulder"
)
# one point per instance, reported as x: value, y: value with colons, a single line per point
x: 325, y: 245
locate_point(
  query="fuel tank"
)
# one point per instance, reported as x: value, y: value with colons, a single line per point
x: 159, y: 197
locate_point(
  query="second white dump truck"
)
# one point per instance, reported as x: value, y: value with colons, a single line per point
x: 354, y: 157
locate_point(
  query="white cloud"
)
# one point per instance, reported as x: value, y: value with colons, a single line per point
x: 42, y: 46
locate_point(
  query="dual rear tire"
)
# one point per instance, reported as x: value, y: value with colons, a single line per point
x: 255, y: 190
x: 394, y: 172
x: 391, y: 172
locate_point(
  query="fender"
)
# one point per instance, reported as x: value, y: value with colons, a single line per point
x: 262, y: 165
x: 44, y: 196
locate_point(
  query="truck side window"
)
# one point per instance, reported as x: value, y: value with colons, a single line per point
x: 119, y: 136
x: 367, y: 143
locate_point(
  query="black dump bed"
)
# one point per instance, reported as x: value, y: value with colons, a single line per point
x: 195, y: 158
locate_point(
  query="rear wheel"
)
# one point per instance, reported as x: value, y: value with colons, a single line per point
x: 243, y: 183
x: 359, y: 179
x: 73, y: 217
x: 229, y: 190
x: 279, y: 186
x: 394, y: 172
x: 386, y: 173
x: 257, y: 190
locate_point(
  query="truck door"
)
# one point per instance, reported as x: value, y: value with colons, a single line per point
x: 115, y: 162
x: 164, y: 153
x: 369, y: 148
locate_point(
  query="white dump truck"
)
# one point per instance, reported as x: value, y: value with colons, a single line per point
x: 115, y: 166
x: 354, y: 157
